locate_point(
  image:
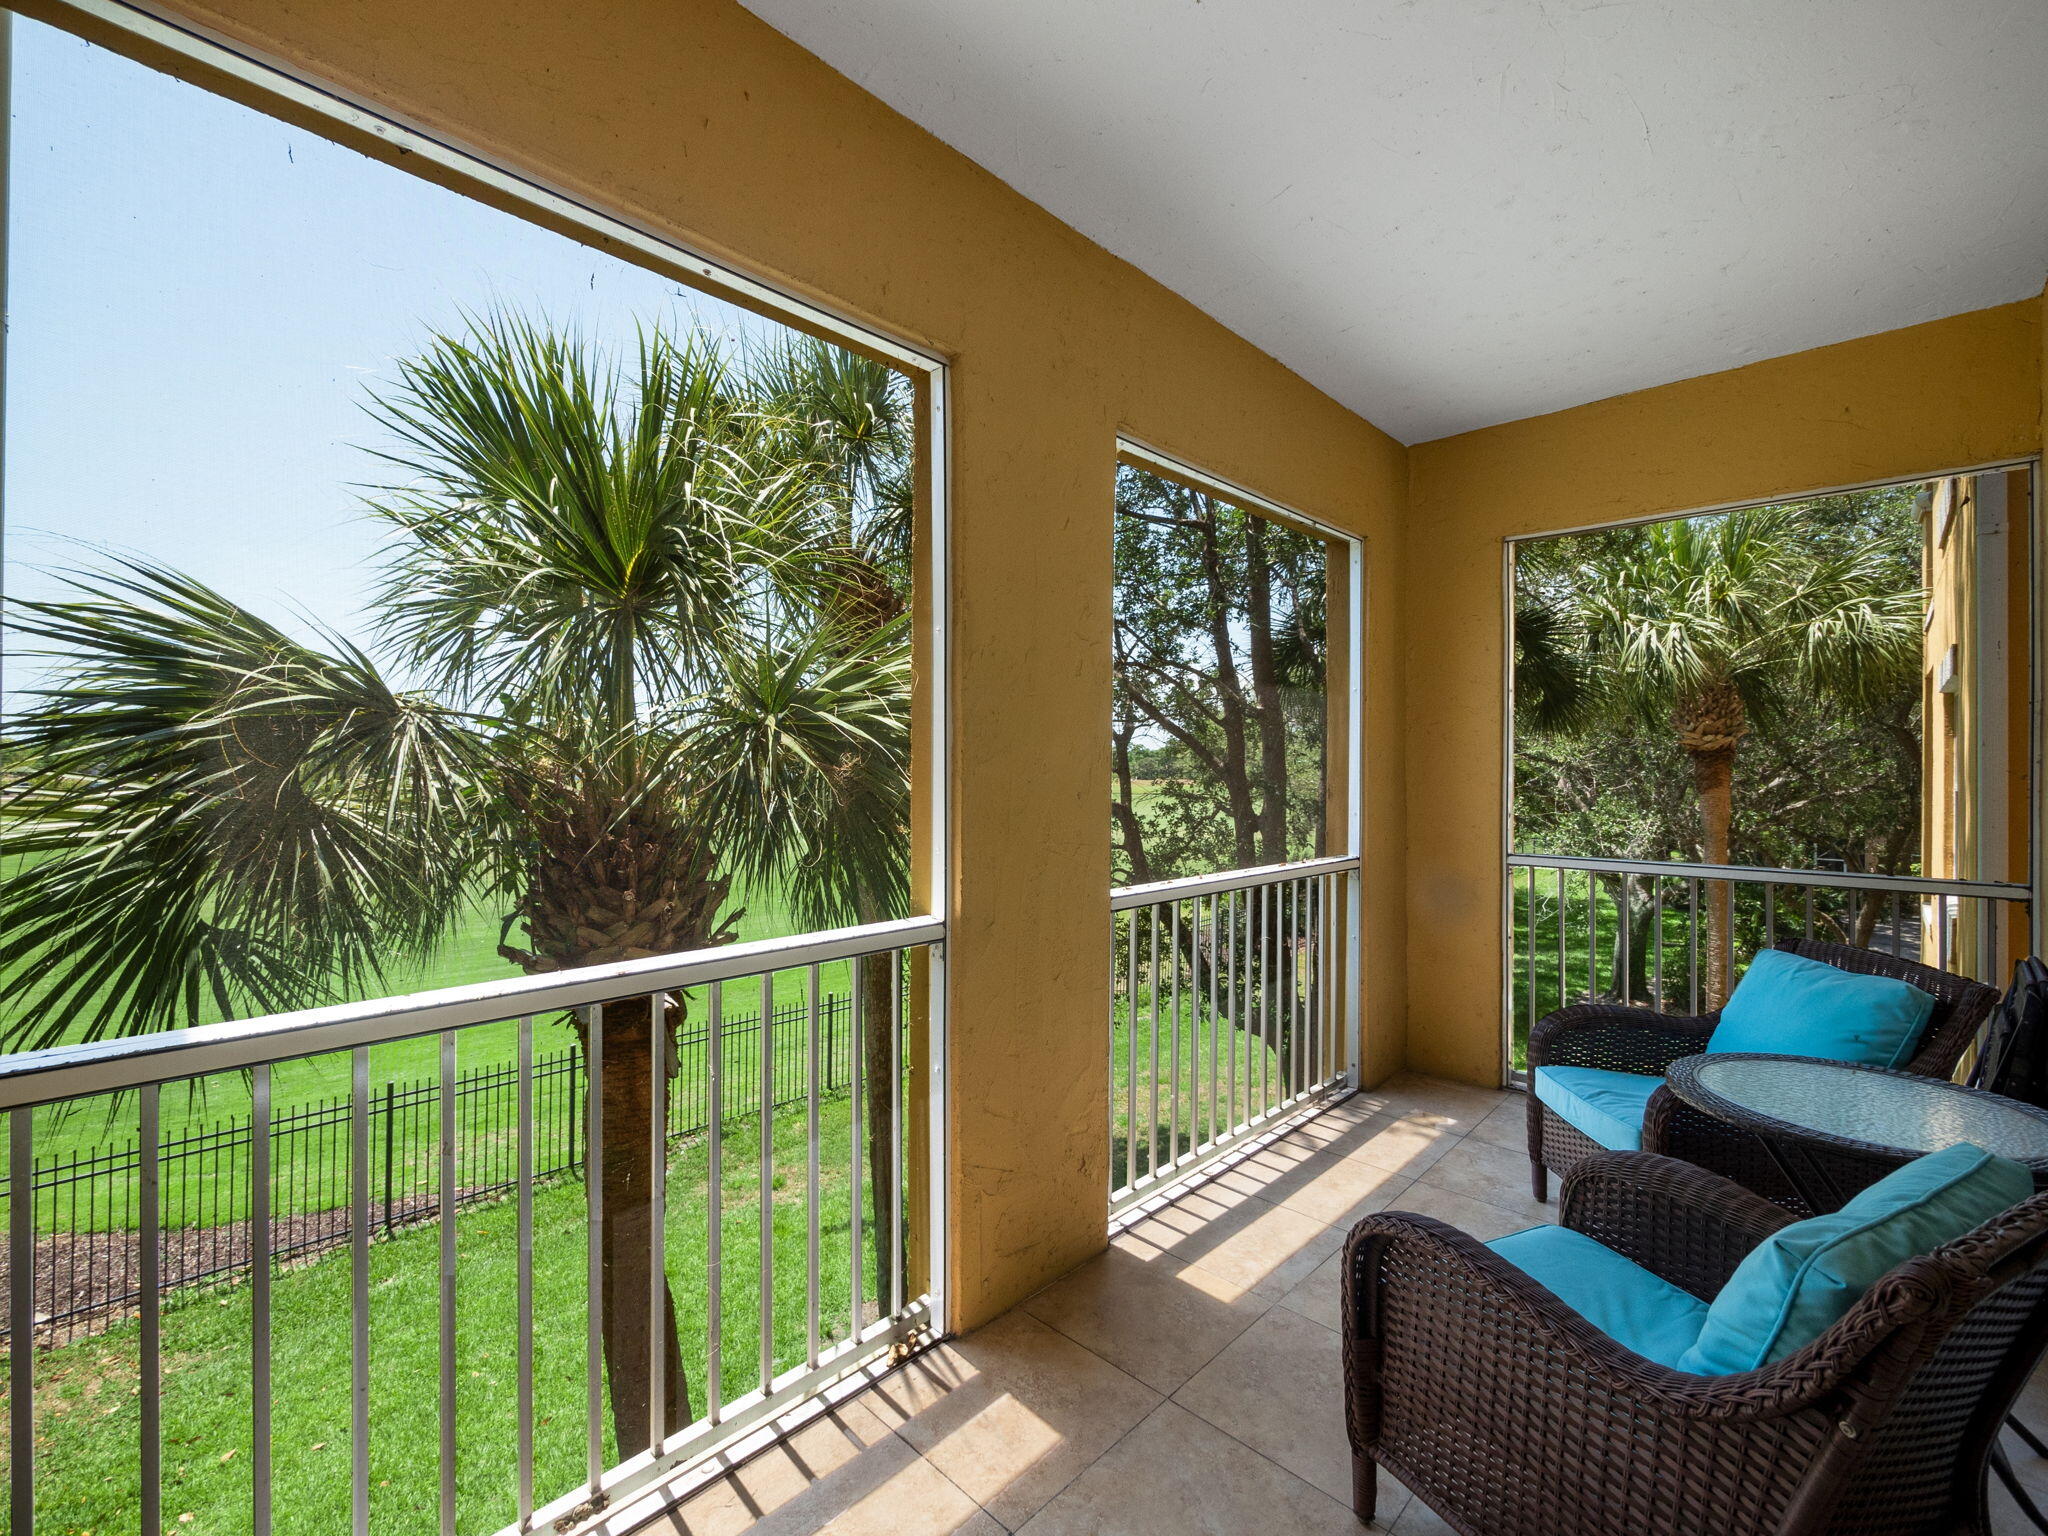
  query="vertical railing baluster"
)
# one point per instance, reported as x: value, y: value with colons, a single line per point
x: 593, y: 1199
x: 1131, y: 1049
x: 896, y: 1244
x: 1337, y: 1058
x: 1770, y: 915
x: 21, y: 1321
x: 1304, y: 969
x: 1561, y: 970
x: 149, y: 1170
x: 1254, y: 1005
x: 259, y: 1299
x: 1304, y: 987
x: 447, y: 1361
x: 1592, y: 936
x: 1806, y: 926
x: 1230, y: 1037
x: 767, y: 1173
x: 811, y: 1249
x: 1529, y: 947
x: 714, y: 1256
x: 359, y: 1289
x: 1152, y: 992
x: 1692, y: 945
x: 1251, y: 1016
x: 1173, y: 1100
x: 1254, y: 1042
x: 1267, y: 1024
x: 659, y: 1318
x: 1657, y: 952
x: 1109, y: 1099
x: 1297, y: 1008
x: 1215, y: 955
x: 524, y: 1325
x: 1318, y: 998
x: 1941, y: 944
x: 1625, y: 925
x: 1898, y: 927
x: 1283, y: 1022
x: 858, y: 1027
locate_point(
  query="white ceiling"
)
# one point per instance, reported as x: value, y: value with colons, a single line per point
x: 1449, y: 213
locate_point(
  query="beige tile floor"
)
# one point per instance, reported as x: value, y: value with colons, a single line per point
x: 1184, y: 1381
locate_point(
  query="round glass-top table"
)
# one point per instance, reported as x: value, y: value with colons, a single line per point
x: 1835, y: 1127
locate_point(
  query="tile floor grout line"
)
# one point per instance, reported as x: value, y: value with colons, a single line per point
x: 1284, y: 1470
x: 897, y: 1429
x: 947, y: 1478
x: 1097, y: 1459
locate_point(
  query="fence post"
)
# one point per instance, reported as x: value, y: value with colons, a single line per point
x: 389, y: 1119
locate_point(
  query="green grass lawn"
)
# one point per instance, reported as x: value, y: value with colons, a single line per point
x: 88, y: 1407
x: 1584, y: 974
x: 81, y: 1127
x: 1592, y: 974
x: 1189, y: 1088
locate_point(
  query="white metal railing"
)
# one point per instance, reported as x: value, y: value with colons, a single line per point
x: 1228, y: 1013
x: 811, y: 1219
x: 1643, y: 926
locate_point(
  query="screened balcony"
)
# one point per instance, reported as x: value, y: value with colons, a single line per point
x: 757, y: 758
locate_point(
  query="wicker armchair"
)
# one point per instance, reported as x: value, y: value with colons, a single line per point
x: 1630, y: 1039
x: 1508, y: 1413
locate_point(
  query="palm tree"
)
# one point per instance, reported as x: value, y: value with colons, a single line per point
x: 1703, y: 626
x: 620, y: 695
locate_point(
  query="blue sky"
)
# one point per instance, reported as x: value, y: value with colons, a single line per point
x: 200, y: 297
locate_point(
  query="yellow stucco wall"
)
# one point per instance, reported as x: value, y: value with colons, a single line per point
x: 699, y: 120
x: 1948, y: 394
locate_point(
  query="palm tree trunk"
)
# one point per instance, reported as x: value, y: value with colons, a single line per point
x: 625, y: 1174
x: 610, y: 882
x: 1713, y: 777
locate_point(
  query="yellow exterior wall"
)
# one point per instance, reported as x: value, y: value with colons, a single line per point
x: 698, y: 119
x: 1945, y: 395
x: 1968, y: 832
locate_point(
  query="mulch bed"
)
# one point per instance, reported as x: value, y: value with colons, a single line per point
x: 87, y: 1281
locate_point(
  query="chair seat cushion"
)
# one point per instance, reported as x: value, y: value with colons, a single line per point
x: 1801, y: 1279
x: 1633, y: 1307
x: 1606, y: 1106
x: 1788, y: 1005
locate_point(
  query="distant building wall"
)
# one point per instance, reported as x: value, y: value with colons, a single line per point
x: 1975, y: 699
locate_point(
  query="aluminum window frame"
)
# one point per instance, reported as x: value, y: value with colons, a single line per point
x: 2037, y: 724
x: 280, y: 89
x: 1140, y: 454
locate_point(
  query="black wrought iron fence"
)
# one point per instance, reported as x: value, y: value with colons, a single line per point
x: 86, y: 1204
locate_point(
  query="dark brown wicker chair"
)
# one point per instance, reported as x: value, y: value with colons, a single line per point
x: 1633, y: 1039
x: 1509, y: 1414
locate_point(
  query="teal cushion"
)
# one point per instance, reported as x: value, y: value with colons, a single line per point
x: 1788, y: 1005
x: 1623, y: 1300
x: 1798, y: 1281
x: 1607, y: 1106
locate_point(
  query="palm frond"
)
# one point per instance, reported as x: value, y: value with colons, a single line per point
x: 1677, y: 608
x: 801, y: 760
x: 1557, y: 686
x: 211, y: 814
x: 577, y: 534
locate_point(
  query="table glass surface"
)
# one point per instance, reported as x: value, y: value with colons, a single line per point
x: 1914, y: 1114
